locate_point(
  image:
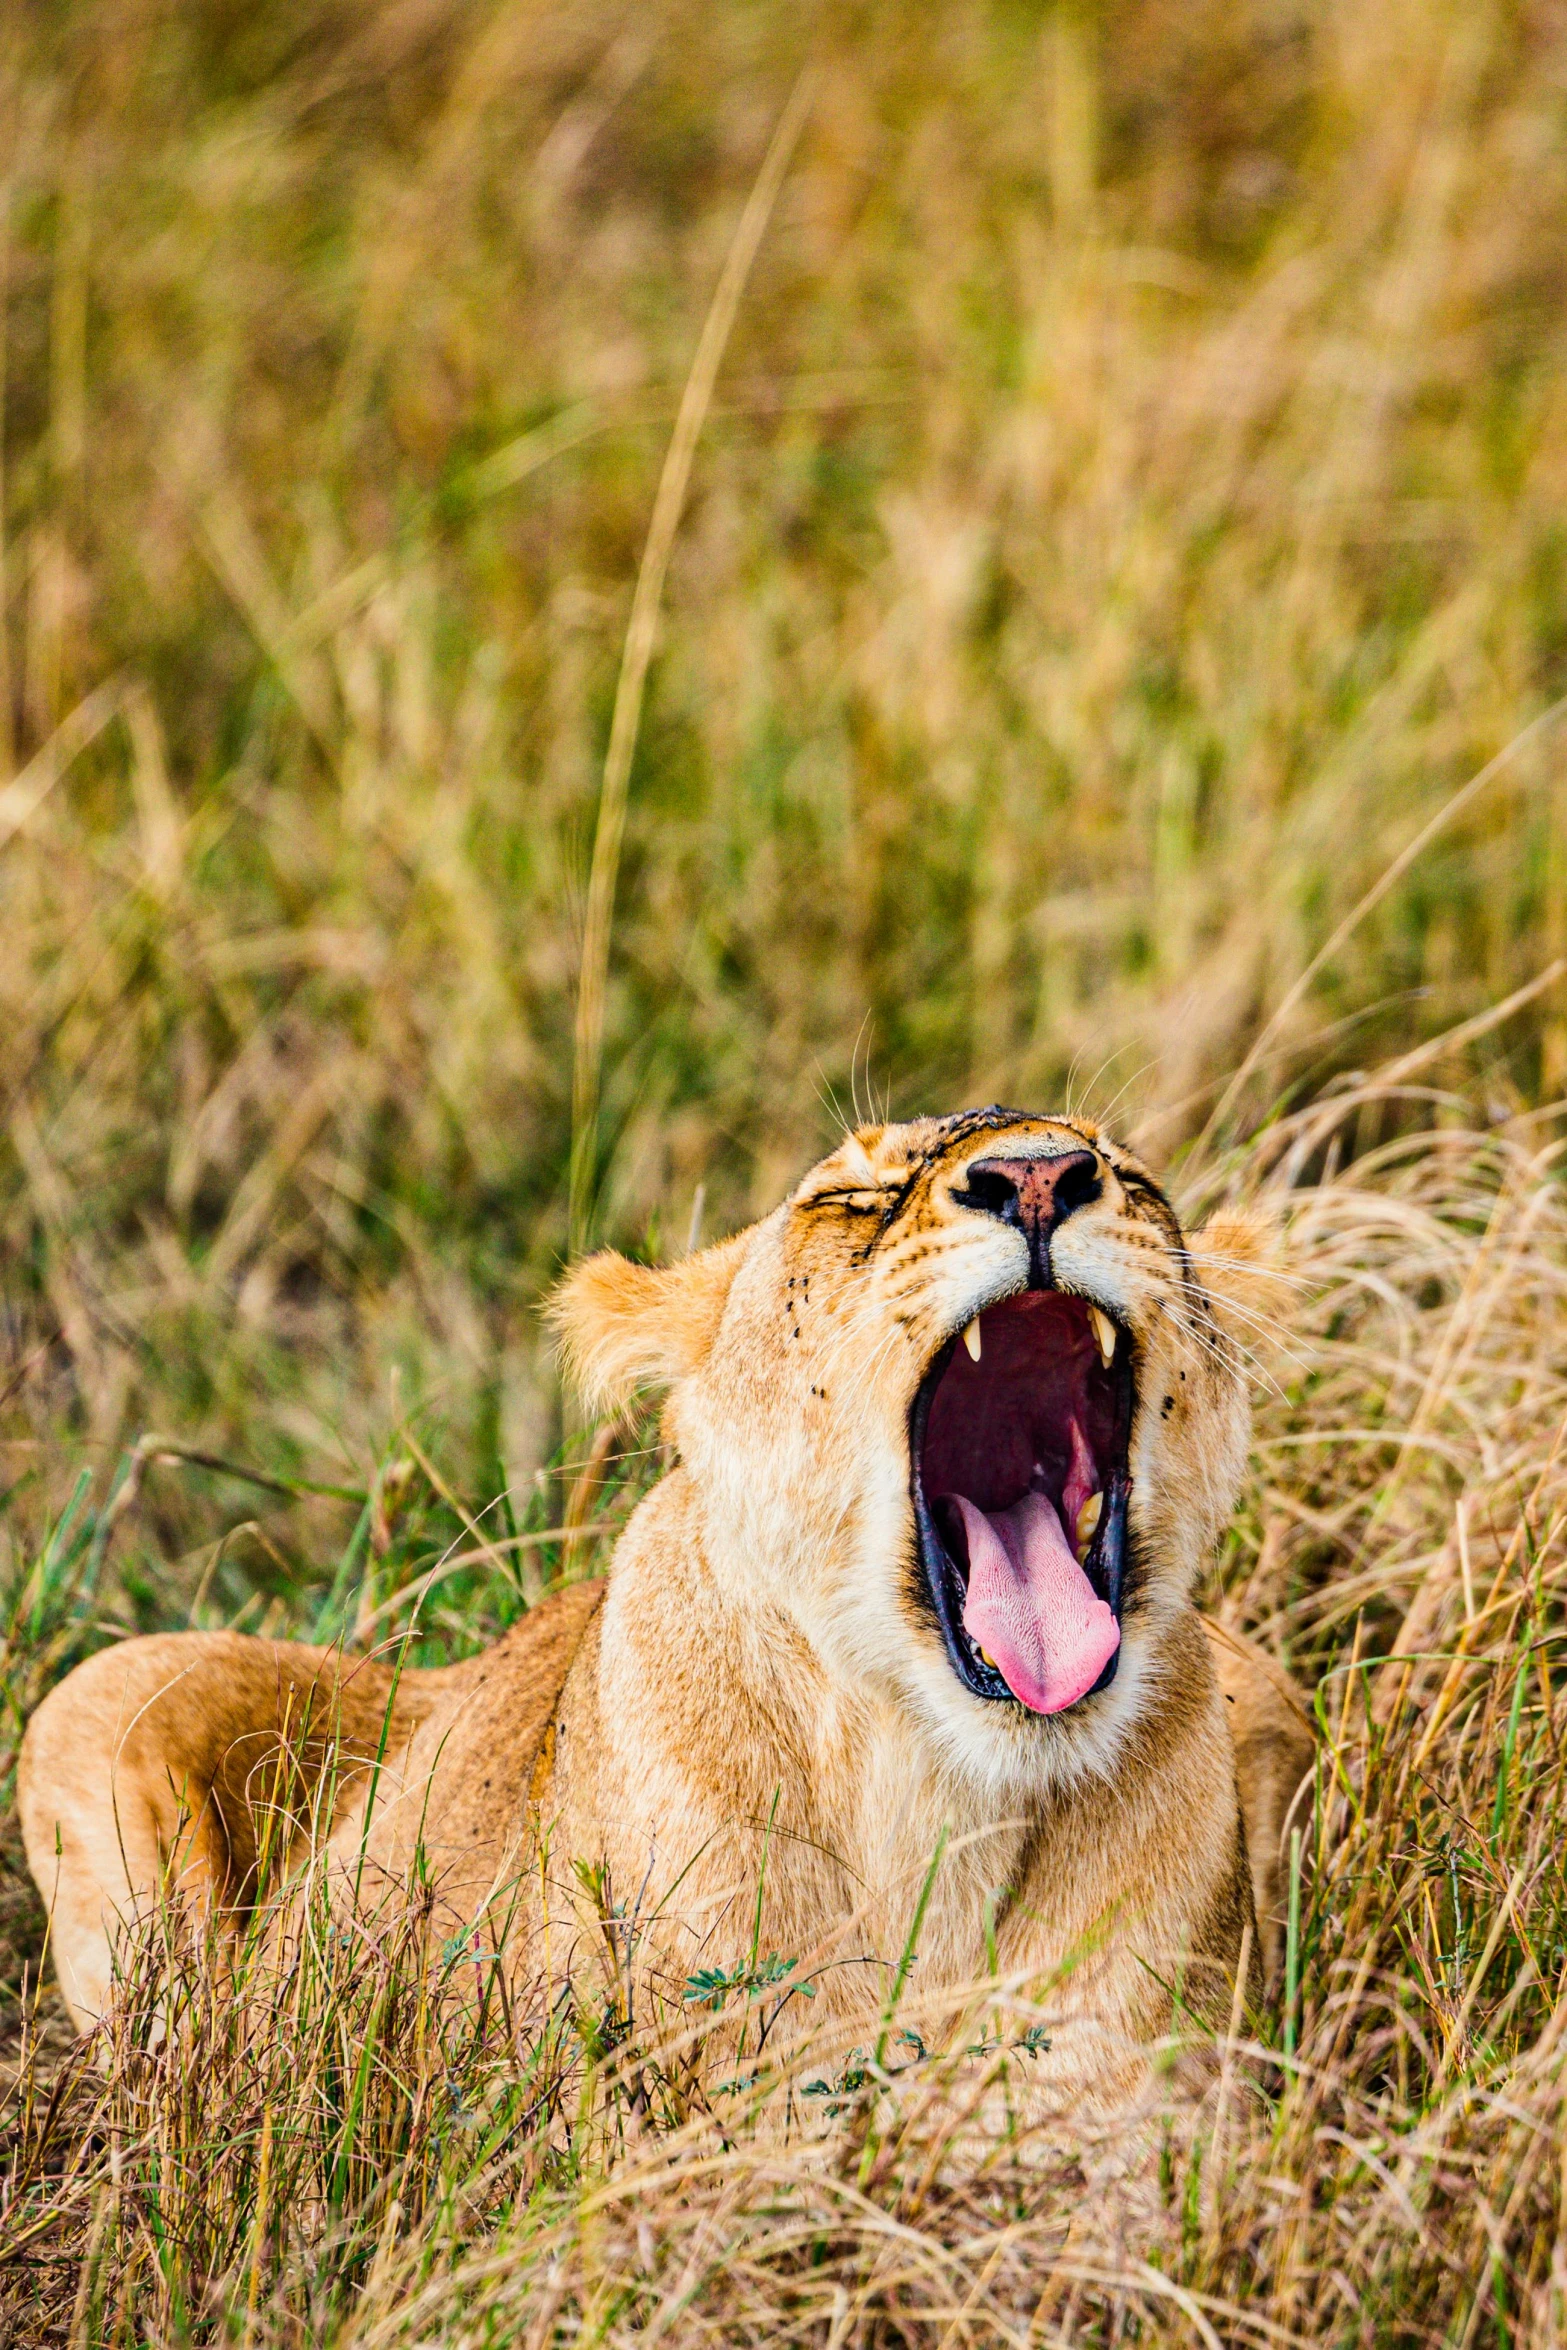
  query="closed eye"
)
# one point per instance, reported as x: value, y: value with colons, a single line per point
x: 862, y: 1200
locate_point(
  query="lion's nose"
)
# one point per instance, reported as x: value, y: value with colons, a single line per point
x: 1035, y: 1195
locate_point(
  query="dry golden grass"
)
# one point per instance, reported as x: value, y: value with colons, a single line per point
x: 1111, y: 639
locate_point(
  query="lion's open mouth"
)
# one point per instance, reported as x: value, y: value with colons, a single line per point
x: 1020, y: 1491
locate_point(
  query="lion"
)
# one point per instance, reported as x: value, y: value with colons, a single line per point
x: 953, y: 1432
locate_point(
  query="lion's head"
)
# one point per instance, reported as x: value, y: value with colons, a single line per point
x: 966, y: 1409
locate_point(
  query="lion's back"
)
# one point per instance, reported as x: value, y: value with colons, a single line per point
x: 462, y: 1792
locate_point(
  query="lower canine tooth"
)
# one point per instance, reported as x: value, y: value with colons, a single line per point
x: 1104, y: 1333
x: 986, y: 1658
x: 1087, y: 1523
x: 971, y: 1339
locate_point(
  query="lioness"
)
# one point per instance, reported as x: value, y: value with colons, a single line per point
x: 955, y: 1429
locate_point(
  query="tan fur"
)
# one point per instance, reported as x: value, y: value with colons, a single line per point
x: 626, y: 1326
x: 759, y: 1667
x: 1275, y: 1751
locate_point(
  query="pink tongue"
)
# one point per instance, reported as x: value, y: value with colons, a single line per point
x: 1031, y: 1607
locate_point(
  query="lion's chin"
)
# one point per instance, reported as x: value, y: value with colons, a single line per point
x: 1018, y: 1447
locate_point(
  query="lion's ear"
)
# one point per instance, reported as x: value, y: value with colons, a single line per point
x: 623, y: 1326
x: 1239, y: 1258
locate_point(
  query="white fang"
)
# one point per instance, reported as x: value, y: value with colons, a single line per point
x: 971, y: 1339
x: 1104, y: 1334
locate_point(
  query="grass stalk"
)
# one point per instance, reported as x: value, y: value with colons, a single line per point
x: 668, y: 505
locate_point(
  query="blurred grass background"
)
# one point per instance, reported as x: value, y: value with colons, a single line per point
x: 1131, y: 504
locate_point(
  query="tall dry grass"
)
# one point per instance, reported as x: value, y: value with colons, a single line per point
x: 1109, y: 638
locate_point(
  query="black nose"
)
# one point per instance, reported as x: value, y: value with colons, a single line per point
x: 1035, y: 1195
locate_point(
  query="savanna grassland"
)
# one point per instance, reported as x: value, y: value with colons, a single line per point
x: 584, y: 591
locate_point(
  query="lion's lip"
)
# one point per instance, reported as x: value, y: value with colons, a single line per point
x: 1041, y: 1413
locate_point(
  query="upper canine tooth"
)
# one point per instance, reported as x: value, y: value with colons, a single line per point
x: 971, y: 1339
x: 1104, y: 1333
